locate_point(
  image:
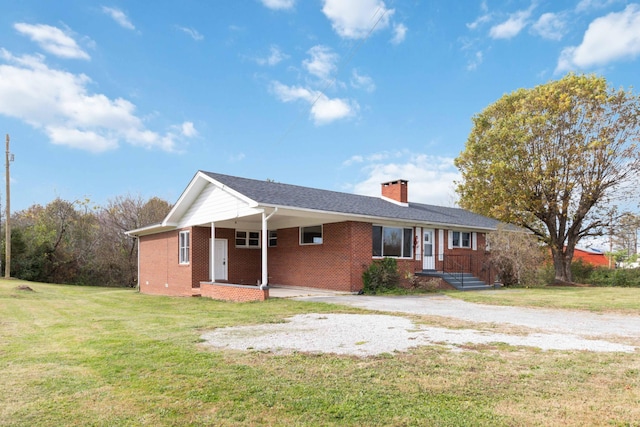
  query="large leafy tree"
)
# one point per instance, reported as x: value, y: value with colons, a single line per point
x: 553, y: 159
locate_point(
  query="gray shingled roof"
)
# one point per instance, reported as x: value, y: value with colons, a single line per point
x: 286, y: 195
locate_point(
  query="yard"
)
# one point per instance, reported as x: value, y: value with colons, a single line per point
x: 102, y: 356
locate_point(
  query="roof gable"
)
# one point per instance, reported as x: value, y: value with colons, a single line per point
x: 202, y: 194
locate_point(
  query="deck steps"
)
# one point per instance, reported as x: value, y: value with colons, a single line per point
x: 460, y: 281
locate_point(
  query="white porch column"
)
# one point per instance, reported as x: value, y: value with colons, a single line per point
x: 265, y: 241
x: 212, y: 253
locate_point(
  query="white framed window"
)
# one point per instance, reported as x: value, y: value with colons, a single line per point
x: 392, y: 242
x: 460, y: 239
x: 183, y: 251
x: 273, y: 238
x: 247, y: 239
x: 311, y: 235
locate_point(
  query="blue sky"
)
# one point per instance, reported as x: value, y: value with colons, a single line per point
x: 105, y: 98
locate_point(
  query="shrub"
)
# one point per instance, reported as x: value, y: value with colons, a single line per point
x: 516, y: 257
x: 581, y: 271
x: 381, y: 275
x: 421, y: 284
x: 619, y: 277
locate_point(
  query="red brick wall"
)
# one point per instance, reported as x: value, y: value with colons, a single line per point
x: 361, y: 252
x: 335, y: 264
x: 200, y: 244
x: 160, y: 272
x: 237, y: 293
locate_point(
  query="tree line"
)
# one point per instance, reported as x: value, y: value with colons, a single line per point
x: 78, y: 242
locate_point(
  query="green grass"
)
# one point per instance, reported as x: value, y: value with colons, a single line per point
x: 88, y: 356
x: 623, y: 300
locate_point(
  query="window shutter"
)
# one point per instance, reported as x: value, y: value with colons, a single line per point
x: 474, y: 241
x: 440, y: 245
x: 450, y: 234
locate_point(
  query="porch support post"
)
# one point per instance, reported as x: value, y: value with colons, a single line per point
x: 212, y: 253
x: 265, y: 241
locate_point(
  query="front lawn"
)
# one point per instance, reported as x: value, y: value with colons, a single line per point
x: 621, y: 300
x: 89, y: 356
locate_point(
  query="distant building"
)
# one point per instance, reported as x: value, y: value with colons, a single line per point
x: 591, y: 256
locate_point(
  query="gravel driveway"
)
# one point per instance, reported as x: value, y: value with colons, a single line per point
x: 367, y: 334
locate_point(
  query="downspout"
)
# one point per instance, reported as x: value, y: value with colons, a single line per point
x: 265, y: 240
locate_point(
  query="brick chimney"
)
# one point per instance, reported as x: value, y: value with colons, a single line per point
x: 396, y: 191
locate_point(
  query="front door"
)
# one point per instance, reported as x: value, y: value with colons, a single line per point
x: 428, y: 260
x: 219, y: 261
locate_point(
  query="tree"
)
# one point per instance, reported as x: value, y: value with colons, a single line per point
x: 625, y: 233
x: 77, y: 242
x: 117, y: 252
x: 552, y: 159
x: 517, y: 256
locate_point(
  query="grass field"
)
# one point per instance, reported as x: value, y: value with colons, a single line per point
x: 613, y: 300
x: 83, y: 356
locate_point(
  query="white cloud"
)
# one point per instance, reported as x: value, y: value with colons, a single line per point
x: 475, y: 61
x: 52, y: 40
x: 324, y: 110
x: 354, y: 19
x: 482, y: 19
x: 586, y: 5
x: 609, y: 38
x: 275, y: 56
x: 188, y: 129
x: 237, y: 157
x: 279, y: 4
x: 119, y: 16
x: 362, y: 82
x: 59, y: 103
x: 549, y: 26
x: 512, y: 26
x: 353, y: 160
x: 431, y: 178
x: 399, y: 33
x: 322, y: 62
x: 193, y: 33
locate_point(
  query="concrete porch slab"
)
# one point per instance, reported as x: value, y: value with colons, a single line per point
x: 280, y: 291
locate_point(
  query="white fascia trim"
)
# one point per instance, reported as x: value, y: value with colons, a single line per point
x: 371, y: 218
x: 150, y: 229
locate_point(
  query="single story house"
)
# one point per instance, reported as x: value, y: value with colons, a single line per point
x: 227, y: 230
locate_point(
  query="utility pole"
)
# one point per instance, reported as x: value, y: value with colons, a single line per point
x: 7, y: 263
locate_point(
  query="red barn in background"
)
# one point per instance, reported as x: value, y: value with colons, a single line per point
x: 591, y: 256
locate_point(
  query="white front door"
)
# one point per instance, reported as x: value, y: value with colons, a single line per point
x: 219, y: 259
x: 428, y: 260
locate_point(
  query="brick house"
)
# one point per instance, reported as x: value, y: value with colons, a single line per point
x: 237, y: 231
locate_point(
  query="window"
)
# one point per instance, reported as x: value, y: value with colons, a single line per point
x: 392, y: 242
x: 247, y: 239
x: 183, y: 253
x: 311, y: 235
x: 273, y: 238
x: 461, y: 239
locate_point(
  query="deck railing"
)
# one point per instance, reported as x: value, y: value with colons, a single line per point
x: 456, y: 265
